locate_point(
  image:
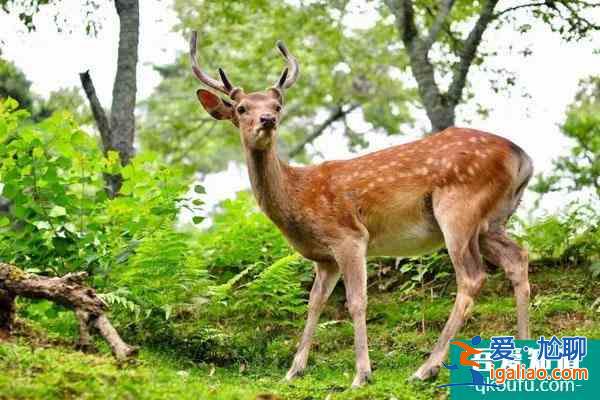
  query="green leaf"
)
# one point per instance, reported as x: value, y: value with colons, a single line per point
x: 41, y: 225
x: 57, y: 211
x: 4, y: 221
x: 197, y: 219
x: 199, y: 189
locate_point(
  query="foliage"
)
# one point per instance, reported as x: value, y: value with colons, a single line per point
x: 571, y: 237
x: 61, y: 219
x: 348, y: 63
x: 26, y: 10
x: 277, y: 293
x: 162, y: 282
x: 581, y: 168
x: 14, y: 84
x: 341, y: 67
x: 240, y: 237
x: 64, y: 99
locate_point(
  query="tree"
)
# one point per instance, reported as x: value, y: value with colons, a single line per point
x: 69, y: 99
x: 343, y: 70
x: 581, y: 168
x: 423, y: 24
x: 14, y: 84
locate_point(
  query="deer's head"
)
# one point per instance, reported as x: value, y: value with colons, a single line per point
x: 257, y: 114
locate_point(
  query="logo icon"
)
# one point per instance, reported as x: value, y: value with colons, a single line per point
x: 468, y: 351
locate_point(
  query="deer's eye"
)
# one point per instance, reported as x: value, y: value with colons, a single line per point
x: 241, y: 109
x: 278, y: 108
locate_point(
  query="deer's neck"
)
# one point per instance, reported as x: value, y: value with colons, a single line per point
x: 270, y: 177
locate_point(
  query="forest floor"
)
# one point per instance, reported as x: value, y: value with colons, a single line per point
x: 400, y: 331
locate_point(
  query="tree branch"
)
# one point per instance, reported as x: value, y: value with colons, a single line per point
x: 404, y: 12
x: 511, y: 9
x: 470, y: 51
x: 438, y: 23
x: 338, y: 113
x: 68, y: 291
x: 438, y: 112
x: 97, y: 110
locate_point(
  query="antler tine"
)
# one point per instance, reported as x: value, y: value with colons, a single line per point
x: 290, y: 74
x: 224, y: 87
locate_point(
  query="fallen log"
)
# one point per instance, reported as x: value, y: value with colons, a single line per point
x: 68, y: 291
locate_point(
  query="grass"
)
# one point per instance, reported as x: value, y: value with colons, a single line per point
x: 400, y: 332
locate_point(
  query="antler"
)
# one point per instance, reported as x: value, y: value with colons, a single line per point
x: 290, y: 73
x: 223, y: 86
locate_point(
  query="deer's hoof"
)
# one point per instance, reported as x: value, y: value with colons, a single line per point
x: 361, y: 379
x: 425, y: 372
x: 293, y: 373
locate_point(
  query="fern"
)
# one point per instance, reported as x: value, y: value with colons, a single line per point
x: 276, y: 292
x: 163, y: 275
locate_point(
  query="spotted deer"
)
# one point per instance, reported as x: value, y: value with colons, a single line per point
x: 456, y: 188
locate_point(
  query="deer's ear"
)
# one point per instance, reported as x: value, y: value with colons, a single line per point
x: 215, y: 106
x: 275, y: 93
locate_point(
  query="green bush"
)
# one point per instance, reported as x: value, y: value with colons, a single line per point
x: 61, y: 219
x: 240, y: 237
x: 569, y: 237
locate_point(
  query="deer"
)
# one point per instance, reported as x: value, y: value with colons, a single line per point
x: 455, y: 189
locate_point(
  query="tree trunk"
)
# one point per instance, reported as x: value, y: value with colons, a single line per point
x: 122, y: 117
x: 68, y: 291
x: 7, y: 313
x: 119, y: 134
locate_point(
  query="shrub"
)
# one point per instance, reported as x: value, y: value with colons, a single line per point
x: 240, y: 237
x: 569, y: 237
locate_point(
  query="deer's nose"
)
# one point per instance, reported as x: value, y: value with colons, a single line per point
x: 267, y: 120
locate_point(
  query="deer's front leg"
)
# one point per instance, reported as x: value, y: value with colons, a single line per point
x: 327, y: 275
x: 351, y: 259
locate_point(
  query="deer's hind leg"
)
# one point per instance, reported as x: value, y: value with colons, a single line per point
x: 460, y: 225
x: 502, y: 251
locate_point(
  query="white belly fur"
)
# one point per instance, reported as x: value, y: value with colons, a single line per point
x: 406, y: 241
x: 402, y: 228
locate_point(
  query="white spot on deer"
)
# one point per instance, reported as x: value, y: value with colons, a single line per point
x: 429, y: 161
x: 473, y: 139
x: 422, y: 171
x: 390, y: 179
x: 471, y: 171
x: 456, y: 169
x: 380, y: 179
